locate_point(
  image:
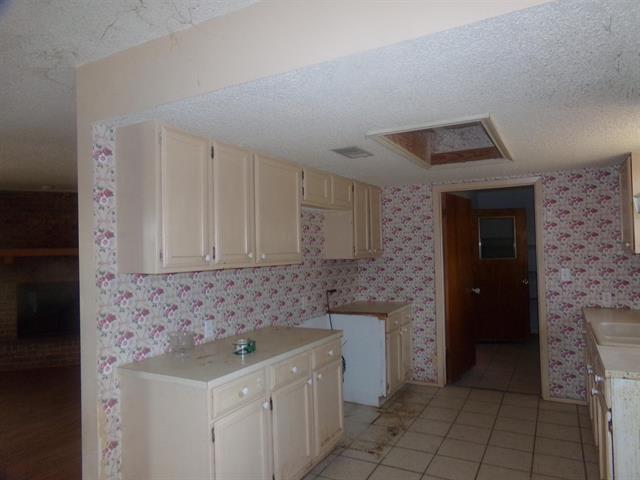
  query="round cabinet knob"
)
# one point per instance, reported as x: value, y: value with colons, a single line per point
x: 265, y: 405
x: 319, y: 376
x: 589, y: 369
x: 396, y: 322
x: 250, y: 254
x: 244, y: 392
x: 294, y: 370
x: 309, y: 381
x: 207, y: 258
x: 627, y: 244
x: 330, y: 353
x: 595, y: 391
x: 263, y: 256
x: 598, y: 379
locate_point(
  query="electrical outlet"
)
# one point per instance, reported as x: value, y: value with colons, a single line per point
x: 565, y: 275
x: 208, y: 329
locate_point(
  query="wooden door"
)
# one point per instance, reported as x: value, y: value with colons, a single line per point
x: 316, y: 188
x: 341, y: 192
x: 360, y: 220
x: 394, y: 361
x: 233, y: 205
x: 375, y: 221
x: 242, y: 444
x: 458, y: 237
x: 184, y: 192
x: 278, y: 190
x: 630, y: 186
x: 501, y: 275
x: 292, y: 429
x: 327, y: 405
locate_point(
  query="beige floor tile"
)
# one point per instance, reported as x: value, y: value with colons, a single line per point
x: 452, y: 468
x: 508, y: 458
x: 426, y: 425
x: 485, y: 396
x: 407, y: 459
x: 520, y: 400
x: 411, y: 396
x: 380, y: 434
x: 586, y: 435
x: 514, y: 425
x: 366, y: 451
x: 344, y: 468
x: 394, y: 420
x: 427, y: 389
x: 520, y: 413
x: 404, y: 408
x: 322, y: 465
x: 454, y: 403
x: 517, y: 441
x: 356, y: 427
x: 558, y: 406
x: 439, y: 413
x: 590, y: 453
x: 361, y: 415
x: 461, y: 449
x: 558, y: 467
x: 476, y: 419
x: 491, y: 472
x: 558, y: 432
x: 561, y: 418
x: 453, y: 391
x: 420, y: 441
x: 390, y: 473
x: 476, y: 406
x: 469, y: 433
x: 537, y: 476
x: 558, y: 448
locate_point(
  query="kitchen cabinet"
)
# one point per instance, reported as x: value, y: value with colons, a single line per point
x: 394, y: 361
x: 163, y: 182
x: 278, y: 192
x: 341, y: 192
x: 630, y: 188
x: 326, y: 190
x: 214, y: 415
x: 356, y: 233
x: 233, y: 206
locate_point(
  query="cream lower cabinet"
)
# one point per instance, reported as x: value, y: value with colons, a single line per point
x: 398, y: 349
x: 275, y: 421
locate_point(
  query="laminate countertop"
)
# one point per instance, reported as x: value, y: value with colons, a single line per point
x: 375, y: 309
x: 618, y: 361
x: 214, y: 363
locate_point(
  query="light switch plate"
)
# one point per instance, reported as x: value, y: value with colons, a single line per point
x: 565, y: 275
x: 208, y: 329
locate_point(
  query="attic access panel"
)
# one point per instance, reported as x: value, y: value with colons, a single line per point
x: 446, y: 143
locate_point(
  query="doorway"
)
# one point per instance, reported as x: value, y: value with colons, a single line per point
x: 488, y: 255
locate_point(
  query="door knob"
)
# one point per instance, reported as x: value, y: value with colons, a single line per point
x: 476, y: 291
x: 525, y: 281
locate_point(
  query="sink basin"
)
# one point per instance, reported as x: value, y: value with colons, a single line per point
x: 623, y: 334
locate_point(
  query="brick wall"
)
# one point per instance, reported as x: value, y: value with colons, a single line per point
x: 35, y: 220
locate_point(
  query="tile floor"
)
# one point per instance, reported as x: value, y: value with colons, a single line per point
x: 510, y: 367
x: 459, y: 433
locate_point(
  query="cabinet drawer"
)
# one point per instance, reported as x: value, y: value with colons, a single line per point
x: 238, y: 392
x: 290, y: 370
x: 325, y: 353
x: 394, y: 320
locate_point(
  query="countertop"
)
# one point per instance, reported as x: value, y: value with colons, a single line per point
x: 376, y: 309
x: 213, y: 363
x: 618, y: 362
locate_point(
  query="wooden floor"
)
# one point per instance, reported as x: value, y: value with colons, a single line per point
x: 40, y: 424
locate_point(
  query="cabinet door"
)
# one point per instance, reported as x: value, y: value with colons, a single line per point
x: 292, y: 425
x: 316, y: 187
x: 184, y: 193
x: 405, y: 353
x: 375, y: 221
x: 360, y: 220
x: 341, y: 192
x: 327, y: 405
x: 242, y: 444
x: 233, y: 205
x: 394, y: 361
x: 278, y: 191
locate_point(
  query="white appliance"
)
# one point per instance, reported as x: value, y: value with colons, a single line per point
x: 363, y: 349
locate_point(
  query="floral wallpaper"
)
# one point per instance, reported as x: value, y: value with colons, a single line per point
x: 136, y: 312
x: 581, y: 222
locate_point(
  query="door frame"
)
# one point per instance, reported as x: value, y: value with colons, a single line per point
x: 436, y: 199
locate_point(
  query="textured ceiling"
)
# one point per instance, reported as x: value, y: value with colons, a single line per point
x: 40, y: 44
x: 561, y: 83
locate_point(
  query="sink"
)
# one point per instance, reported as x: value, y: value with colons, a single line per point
x: 623, y: 334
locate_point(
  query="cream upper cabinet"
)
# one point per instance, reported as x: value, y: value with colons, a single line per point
x: 278, y: 192
x: 233, y: 206
x: 360, y: 220
x: 327, y: 392
x: 341, y: 192
x: 316, y: 188
x: 375, y: 221
x: 292, y: 429
x: 242, y: 443
x: 630, y: 188
x: 164, y: 222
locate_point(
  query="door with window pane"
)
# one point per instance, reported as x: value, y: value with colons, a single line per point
x: 501, y: 275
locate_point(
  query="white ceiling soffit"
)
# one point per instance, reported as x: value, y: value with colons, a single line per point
x: 561, y: 83
x: 41, y: 42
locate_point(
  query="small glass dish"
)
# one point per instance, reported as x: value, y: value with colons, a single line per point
x: 182, y: 342
x: 244, y: 346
